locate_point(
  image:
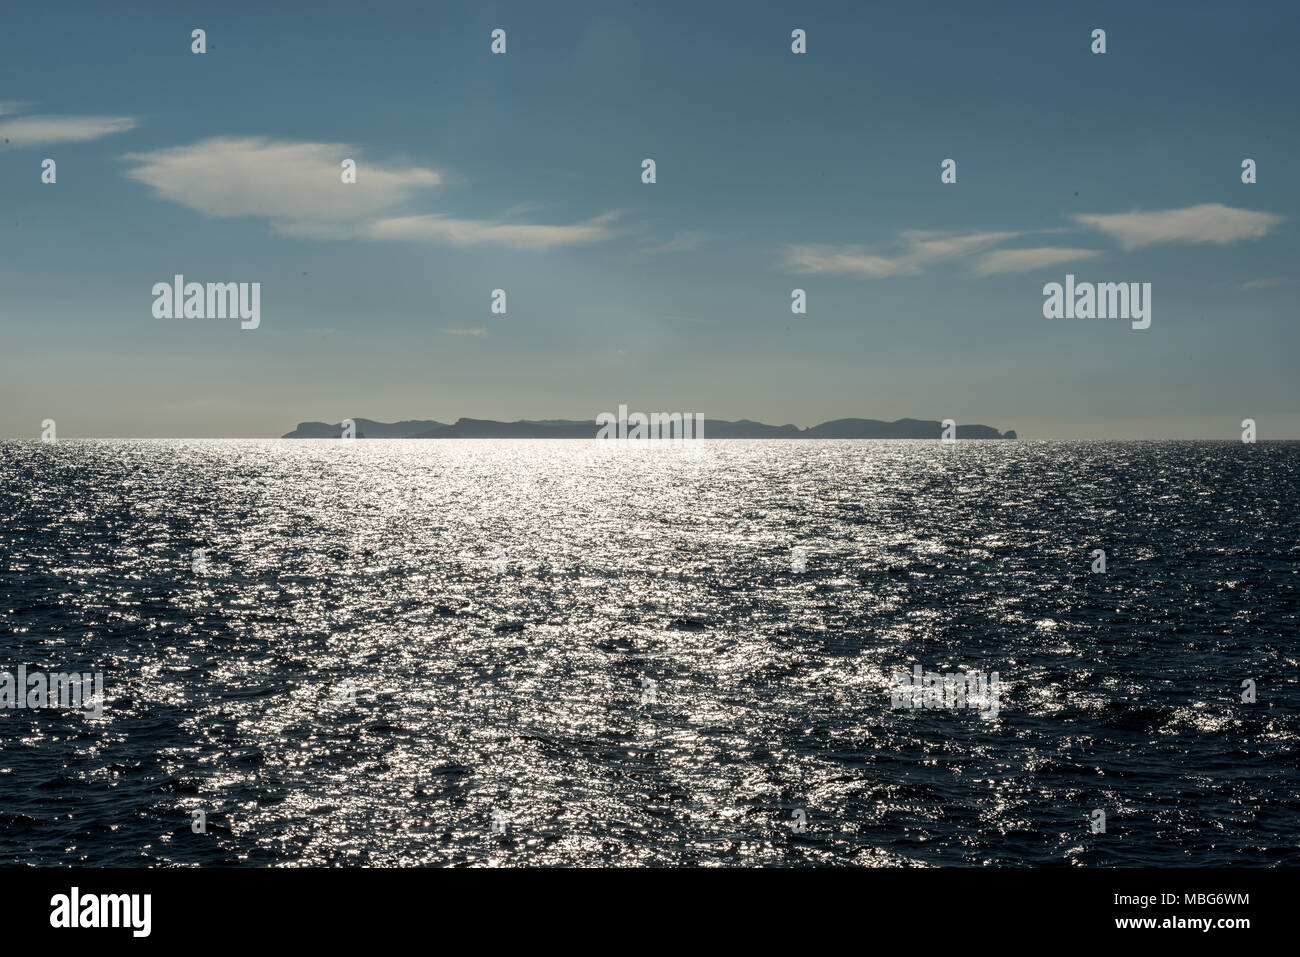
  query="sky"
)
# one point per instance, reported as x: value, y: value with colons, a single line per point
x: 774, y: 171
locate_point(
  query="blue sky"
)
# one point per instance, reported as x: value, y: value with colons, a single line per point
x: 774, y: 171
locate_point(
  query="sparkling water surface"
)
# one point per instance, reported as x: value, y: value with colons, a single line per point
x: 611, y: 653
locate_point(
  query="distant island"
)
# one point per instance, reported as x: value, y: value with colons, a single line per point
x: 580, y: 429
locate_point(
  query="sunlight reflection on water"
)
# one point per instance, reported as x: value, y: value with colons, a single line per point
x: 499, y: 611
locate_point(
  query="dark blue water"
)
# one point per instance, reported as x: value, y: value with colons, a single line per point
x: 392, y: 648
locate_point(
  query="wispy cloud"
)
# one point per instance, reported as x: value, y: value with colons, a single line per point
x: 28, y: 131
x: 520, y: 209
x: 297, y: 188
x: 470, y: 232
x: 1267, y: 283
x: 1206, y: 223
x: 682, y: 242
x: 819, y: 259
x: 1023, y: 260
x: 914, y: 251
x: 927, y: 247
x: 465, y: 332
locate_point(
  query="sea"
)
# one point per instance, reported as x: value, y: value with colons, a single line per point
x: 567, y: 653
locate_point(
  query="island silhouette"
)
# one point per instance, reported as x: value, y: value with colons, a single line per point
x: 586, y: 429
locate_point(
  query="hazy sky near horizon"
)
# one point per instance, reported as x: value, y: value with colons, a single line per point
x: 774, y: 170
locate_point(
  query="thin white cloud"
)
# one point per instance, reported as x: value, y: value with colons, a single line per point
x: 28, y: 131
x: 915, y: 250
x: 471, y: 232
x: 929, y: 247
x: 1023, y: 260
x: 819, y: 259
x: 1206, y: 223
x: 682, y: 242
x: 520, y: 209
x: 297, y: 187
x: 918, y: 249
x: 1267, y: 283
x: 465, y: 332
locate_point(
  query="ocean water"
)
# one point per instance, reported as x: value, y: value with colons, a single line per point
x: 557, y: 653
